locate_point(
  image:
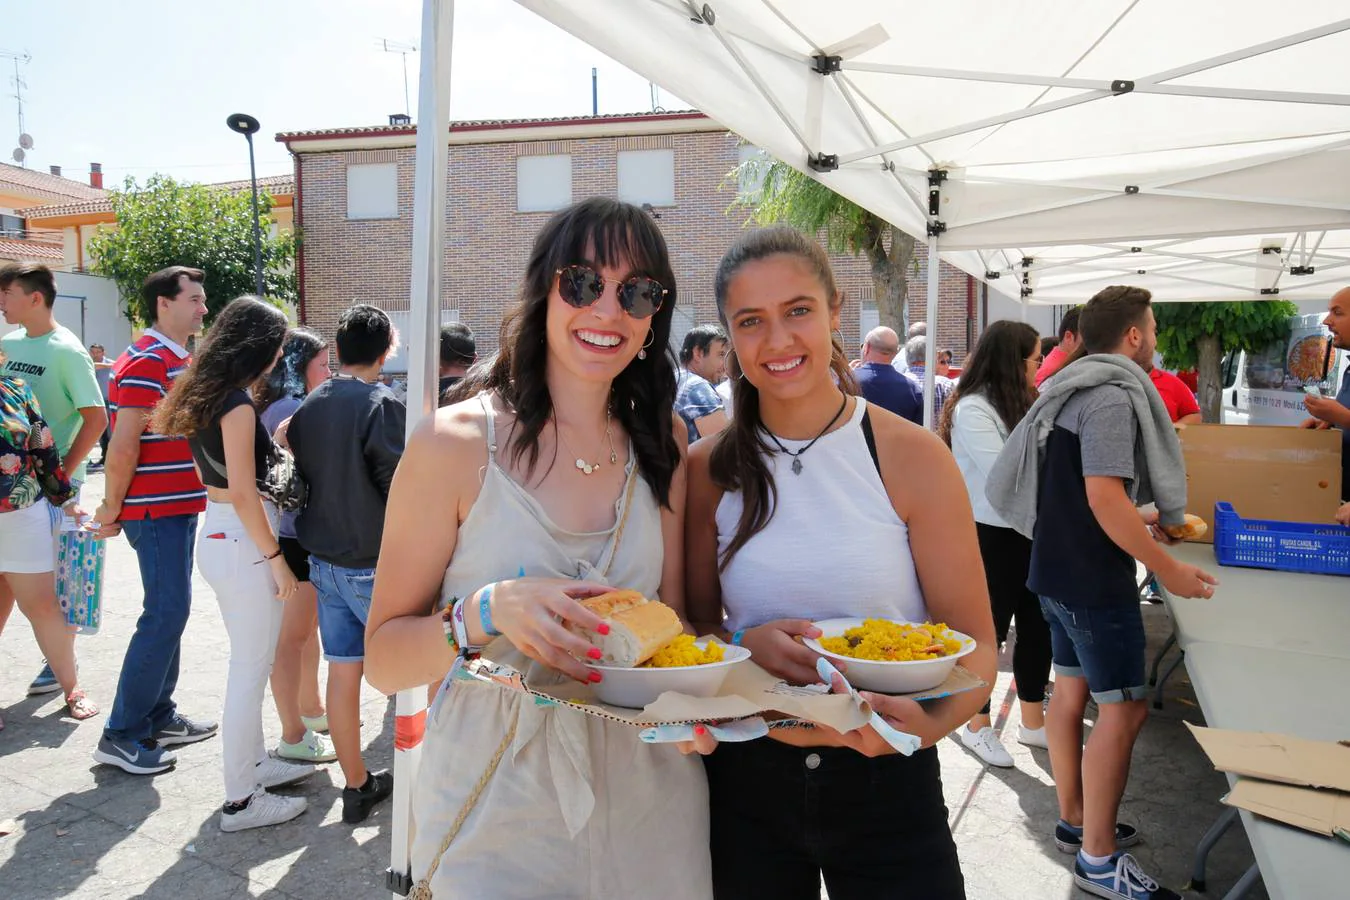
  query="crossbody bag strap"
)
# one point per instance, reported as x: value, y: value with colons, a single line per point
x: 220, y: 469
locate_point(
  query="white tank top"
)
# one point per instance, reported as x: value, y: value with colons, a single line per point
x: 834, y: 546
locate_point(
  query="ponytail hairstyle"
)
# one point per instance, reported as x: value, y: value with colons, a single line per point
x: 642, y: 396
x: 739, y: 460
x: 997, y: 370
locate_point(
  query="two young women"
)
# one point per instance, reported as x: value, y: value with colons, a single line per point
x: 561, y: 471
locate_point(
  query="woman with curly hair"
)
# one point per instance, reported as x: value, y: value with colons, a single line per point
x: 237, y: 549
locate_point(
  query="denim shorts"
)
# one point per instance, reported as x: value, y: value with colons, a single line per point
x: 344, y: 606
x: 1104, y: 644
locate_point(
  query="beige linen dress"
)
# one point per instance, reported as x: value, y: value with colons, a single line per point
x: 578, y: 806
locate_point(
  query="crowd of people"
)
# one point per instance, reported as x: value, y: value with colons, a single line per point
x: 756, y: 480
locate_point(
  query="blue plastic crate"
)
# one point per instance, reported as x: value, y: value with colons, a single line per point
x: 1287, y: 546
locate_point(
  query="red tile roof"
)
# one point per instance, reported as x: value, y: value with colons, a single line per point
x: 32, y: 183
x: 489, y: 124
x: 276, y: 184
x: 36, y: 250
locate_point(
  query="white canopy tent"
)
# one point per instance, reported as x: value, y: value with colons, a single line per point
x: 1039, y: 141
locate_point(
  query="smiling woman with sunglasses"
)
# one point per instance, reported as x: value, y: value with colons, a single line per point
x: 553, y: 476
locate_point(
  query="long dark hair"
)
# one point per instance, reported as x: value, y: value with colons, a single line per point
x: 996, y: 369
x: 242, y: 343
x: 643, y: 394
x: 739, y: 461
x: 287, y: 378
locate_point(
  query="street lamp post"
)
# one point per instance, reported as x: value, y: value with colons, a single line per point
x: 246, y: 125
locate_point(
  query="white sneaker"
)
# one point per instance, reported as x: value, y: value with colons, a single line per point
x: 1032, y: 737
x: 985, y: 744
x: 312, y: 748
x: 263, y: 809
x: 273, y: 772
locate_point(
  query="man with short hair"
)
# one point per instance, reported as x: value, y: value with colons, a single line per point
x: 1101, y: 458
x: 703, y: 363
x: 53, y: 362
x: 1058, y: 357
x: 102, y: 371
x: 880, y: 383
x: 347, y: 437
x: 1329, y: 412
x: 917, y: 329
x: 458, y: 353
x: 152, y: 493
x: 916, y: 351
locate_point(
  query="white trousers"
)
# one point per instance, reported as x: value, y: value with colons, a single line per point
x: 232, y: 565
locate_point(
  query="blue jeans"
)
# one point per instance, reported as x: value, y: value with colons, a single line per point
x: 1103, y: 644
x: 144, y: 702
x: 344, y: 606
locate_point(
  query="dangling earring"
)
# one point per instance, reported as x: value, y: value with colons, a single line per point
x: 651, y: 336
x: 731, y: 356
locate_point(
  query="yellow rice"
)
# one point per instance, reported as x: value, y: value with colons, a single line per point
x: 682, y: 651
x: 878, y: 639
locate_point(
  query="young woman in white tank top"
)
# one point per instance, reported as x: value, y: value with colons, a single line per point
x: 814, y: 505
x: 564, y: 475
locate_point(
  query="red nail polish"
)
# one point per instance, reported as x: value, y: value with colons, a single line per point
x: 603, y: 628
x: 700, y: 730
x: 594, y: 653
x: 594, y: 677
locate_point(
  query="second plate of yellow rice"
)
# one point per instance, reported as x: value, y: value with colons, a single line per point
x: 889, y: 656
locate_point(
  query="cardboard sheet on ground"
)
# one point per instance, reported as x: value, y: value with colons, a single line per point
x: 748, y: 691
x: 1277, y: 757
x: 1320, y: 811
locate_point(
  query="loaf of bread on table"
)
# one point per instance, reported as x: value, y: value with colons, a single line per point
x: 1195, y: 527
x: 638, y: 627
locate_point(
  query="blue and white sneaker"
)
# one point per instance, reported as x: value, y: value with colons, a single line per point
x: 45, y: 682
x: 1120, y: 878
x: 1069, y: 838
x: 183, y: 730
x: 137, y: 757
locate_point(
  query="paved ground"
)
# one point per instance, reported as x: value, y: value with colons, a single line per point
x: 84, y: 831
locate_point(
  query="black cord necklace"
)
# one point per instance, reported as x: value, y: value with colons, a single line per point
x: 796, y: 454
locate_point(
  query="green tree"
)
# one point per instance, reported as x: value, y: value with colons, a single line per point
x: 1198, y: 335
x: 165, y: 223
x: 783, y: 194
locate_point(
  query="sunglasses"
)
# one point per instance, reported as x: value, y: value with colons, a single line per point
x: 581, y: 286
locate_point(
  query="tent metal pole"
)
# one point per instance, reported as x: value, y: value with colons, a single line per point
x: 758, y: 81
x: 930, y: 358
x: 1279, y: 43
x: 428, y: 263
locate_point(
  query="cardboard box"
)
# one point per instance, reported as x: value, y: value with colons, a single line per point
x: 1319, y: 811
x: 1266, y: 472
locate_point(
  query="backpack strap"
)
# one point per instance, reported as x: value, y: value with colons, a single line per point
x: 871, y: 438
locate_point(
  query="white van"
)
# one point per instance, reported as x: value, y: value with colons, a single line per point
x: 1268, y: 388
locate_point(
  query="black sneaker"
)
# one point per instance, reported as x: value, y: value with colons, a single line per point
x: 1069, y: 838
x: 137, y: 757
x: 358, y: 802
x: 183, y: 730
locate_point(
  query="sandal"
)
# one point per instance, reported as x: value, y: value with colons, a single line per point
x: 80, y: 706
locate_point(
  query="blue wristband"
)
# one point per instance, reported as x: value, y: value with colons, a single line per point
x: 736, y: 638
x: 485, y: 611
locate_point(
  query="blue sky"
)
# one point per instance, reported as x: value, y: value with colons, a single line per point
x: 144, y: 86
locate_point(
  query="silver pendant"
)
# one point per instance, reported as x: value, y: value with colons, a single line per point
x: 585, y: 467
x: 796, y: 466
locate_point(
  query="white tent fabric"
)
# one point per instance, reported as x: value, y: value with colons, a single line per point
x: 1058, y: 132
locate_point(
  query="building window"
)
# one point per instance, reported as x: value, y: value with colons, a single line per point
x: 12, y: 227
x: 543, y: 183
x: 372, y: 191
x: 647, y: 176
x: 752, y: 164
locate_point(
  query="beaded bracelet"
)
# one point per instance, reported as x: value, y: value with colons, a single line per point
x: 447, y: 624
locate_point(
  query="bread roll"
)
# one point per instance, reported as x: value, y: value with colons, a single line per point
x: 638, y: 627
x: 1195, y: 527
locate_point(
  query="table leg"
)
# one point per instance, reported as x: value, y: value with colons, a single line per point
x: 1216, y: 831
x: 1172, y: 667
x: 1244, y: 884
x: 1157, y: 660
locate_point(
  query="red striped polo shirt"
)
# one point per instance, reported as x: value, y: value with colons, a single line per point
x: 165, y: 483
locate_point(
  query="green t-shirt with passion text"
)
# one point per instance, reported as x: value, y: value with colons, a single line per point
x: 61, y: 375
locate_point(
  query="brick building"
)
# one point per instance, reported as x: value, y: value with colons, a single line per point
x: 354, y: 203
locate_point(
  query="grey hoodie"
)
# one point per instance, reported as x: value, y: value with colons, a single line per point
x: 1013, y: 485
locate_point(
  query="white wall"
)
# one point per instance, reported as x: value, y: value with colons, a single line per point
x: 88, y: 305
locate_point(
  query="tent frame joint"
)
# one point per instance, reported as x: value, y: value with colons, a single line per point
x: 826, y: 65
x: 1302, y: 270
x: 823, y: 162
x: 1122, y: 86
x: 1269, y: 292
x: 400, y: 883
x: 704, y: 16
x: 936, y: 227
x: 1131, y: 189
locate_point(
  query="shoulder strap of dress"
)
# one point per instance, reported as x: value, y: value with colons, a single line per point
x: 870, y: 437
x: 490, y: 416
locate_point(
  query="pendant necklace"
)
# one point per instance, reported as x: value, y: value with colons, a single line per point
x: 584, y: 467
x: 796, y: 454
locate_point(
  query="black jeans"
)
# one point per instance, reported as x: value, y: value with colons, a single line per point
x: 874, y: 828
x: 1007, y: 561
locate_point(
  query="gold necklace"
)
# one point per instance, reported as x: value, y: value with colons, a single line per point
x: 584, y: 467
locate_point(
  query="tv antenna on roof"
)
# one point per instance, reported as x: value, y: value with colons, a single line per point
x: 402, y: 49
x: 25, y: 139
